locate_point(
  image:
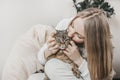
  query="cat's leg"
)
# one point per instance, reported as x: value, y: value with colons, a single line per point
x: 59, y: 70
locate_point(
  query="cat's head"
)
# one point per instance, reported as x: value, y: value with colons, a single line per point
x: 62, y: 38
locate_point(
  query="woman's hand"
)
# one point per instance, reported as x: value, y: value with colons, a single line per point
x: 53, y: 47
x: 73, y: 53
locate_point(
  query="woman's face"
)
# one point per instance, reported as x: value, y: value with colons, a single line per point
x: 76, y: 30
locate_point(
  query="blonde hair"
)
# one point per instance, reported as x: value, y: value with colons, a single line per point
x: 97, y: 43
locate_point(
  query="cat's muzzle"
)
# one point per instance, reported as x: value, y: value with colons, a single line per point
x: 62, y: 46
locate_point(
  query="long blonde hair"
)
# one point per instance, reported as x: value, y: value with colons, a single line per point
x: 97, y: 43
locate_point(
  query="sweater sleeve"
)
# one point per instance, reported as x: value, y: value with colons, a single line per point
x: 83, y: 68
x: 41, y: 55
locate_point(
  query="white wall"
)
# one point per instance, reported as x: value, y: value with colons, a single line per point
x: 17, y: 16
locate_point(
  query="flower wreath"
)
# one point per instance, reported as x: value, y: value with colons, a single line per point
x: 109, y: 11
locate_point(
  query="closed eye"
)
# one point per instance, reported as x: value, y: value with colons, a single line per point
x: 79, y: 35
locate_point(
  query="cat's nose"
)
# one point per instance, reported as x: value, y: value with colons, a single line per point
x: 62, y: 46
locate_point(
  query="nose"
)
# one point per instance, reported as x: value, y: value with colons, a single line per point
x: 71, y: 33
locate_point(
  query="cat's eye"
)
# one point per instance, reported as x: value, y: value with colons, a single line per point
x: 67, y: 39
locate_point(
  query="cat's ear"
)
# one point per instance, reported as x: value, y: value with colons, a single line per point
x: 57, y: 30
x: 66, y: 31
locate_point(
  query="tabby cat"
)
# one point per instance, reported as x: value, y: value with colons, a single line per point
x: 63, y: 40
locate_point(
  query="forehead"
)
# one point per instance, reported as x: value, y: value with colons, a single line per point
x: 78, y: 24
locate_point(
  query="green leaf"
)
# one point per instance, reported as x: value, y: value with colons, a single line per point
x: 94, y: 3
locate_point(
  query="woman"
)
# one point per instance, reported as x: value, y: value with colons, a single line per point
x: 88, y: 27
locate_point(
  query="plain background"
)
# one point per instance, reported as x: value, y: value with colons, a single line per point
x: 18, y: 16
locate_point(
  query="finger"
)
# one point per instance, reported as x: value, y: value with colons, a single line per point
x: 72, y: 43
x: 52, y: 44
x: 50, y: 40
x: 56, y: 47
x: 69, y: 46
x: 67, y: 49
x: 65, y: 52
x: 53, y: 48
x: 54, y: 51
x: 52, y: 34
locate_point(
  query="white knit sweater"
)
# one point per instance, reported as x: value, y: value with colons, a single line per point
x: 62, y: 25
